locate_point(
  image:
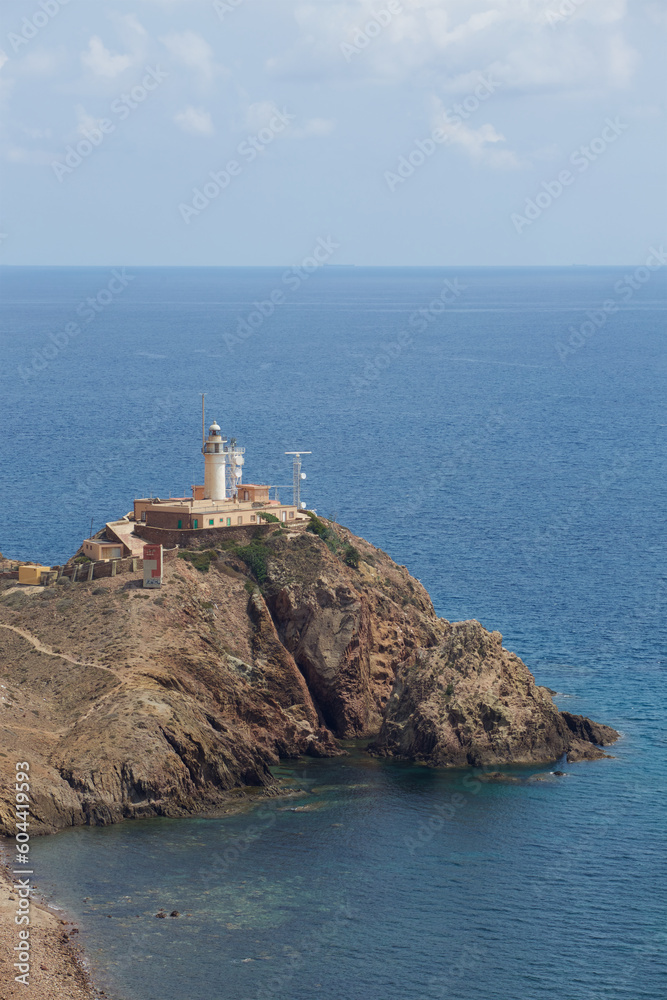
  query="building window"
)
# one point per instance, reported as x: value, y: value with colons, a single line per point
x: 143, y: 515
x: 239, y: 520
x: 253, y: 518
x: 229, y: 521
x: 196, y: 523
x: 246, y: 495
x: 180, y: 524
x: 211, y: 520
x: 283, y: 515
x: 217, y: 448
x: 291, y: 513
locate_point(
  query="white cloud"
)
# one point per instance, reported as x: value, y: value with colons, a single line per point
x: 439, y: 40
x: 101, y: 62
x: 313, y: 128
x: 40, y: 62
x: 131, y: 21
x: 481, y: 144
x: 85, y: 122
x: 6, y: 84
x: 37, y: 133
x: 28, y: 157
x: 622, y: 60
x: 195, y: 120
x: 192, y: 51
x: 259, y: 114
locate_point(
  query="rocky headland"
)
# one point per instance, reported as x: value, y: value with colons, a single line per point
x: 131, y: 703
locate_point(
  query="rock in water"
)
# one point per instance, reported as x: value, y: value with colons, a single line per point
x: 469, y: 701
x: 265, y: 647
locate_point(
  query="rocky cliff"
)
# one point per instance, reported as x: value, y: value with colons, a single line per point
x: 469, y: 701
x: 131, y: 703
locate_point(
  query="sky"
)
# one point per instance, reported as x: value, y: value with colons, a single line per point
x: 405, y: 132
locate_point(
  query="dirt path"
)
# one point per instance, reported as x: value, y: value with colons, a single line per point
x: 41, y: 648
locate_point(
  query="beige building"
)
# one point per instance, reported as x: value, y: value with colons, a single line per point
x: 223, y: 501
x: 32, y: 575
x: 183, y: 514
x: 96, y: 549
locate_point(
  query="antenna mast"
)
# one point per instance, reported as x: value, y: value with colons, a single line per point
x: 203, y: 423
x: 297, y: 476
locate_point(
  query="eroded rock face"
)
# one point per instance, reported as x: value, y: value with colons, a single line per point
x: 348, y: 630
x: 469, y: 701
x: 129, y: 703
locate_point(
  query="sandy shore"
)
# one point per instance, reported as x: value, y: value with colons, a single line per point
x: 56, y: 970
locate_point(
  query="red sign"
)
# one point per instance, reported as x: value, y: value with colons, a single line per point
x: 152, y: 565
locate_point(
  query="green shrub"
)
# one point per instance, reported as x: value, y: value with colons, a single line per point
x: 200, y: 560
x: 344, y: 550
x: 449, y: 690
x: 250, y: 586
x: 317, y: 526
x: 254, y: 556
x: 269, y: 518
x: 351, y: 556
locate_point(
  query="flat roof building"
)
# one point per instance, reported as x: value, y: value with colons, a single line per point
x: 223, y: 501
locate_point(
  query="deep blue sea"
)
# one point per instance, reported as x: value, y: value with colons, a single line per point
x: 499, y: 431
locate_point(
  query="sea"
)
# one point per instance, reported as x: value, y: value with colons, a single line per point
x: 499, y: 431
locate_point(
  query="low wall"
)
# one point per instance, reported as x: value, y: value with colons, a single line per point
x: 81, y: 572
x: 191, y: 538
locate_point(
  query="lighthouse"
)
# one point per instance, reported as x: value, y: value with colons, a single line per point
x: 215, y: 459
x: 222, y: 501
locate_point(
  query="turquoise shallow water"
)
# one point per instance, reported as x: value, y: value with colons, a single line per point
x: 394, y: 881
x: 524, y: 490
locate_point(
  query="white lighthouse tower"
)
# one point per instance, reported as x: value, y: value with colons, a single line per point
x: 215, y: 459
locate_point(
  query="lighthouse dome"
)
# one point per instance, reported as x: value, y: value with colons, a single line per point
x: 214, y: 428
